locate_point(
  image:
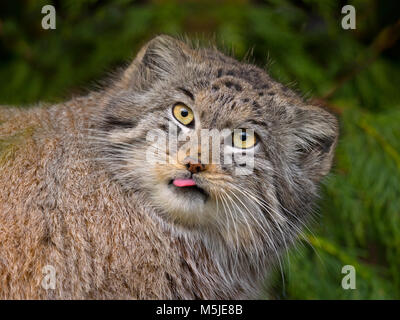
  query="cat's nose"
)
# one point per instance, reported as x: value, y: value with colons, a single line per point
x: 193, y: 165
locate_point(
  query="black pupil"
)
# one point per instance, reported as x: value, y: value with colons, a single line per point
x: 243, y: 136
x: 184, y: 113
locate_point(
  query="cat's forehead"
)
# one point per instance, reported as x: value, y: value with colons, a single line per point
x: 226, y: 92
x: 235, y: 72
x: 227, y: 103
x: 223, y: 74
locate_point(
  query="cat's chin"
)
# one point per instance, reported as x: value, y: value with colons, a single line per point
x: 188, y: 206
x: 190, y: 193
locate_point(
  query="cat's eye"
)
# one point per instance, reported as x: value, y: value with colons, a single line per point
x: 244, y: 139
x: 183, y: 114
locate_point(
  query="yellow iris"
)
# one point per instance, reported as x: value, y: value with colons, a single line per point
x: 183, y: 114
x: 244, y: 139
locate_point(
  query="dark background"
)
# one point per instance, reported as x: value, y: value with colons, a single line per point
x: 354, y: 73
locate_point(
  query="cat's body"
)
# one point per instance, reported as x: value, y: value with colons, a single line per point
x: 65, y: 204
x: 59, y: 209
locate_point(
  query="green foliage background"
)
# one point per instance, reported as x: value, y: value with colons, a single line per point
x: 355, y: 73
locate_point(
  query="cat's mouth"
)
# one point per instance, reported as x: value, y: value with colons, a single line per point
x: 188, y: 188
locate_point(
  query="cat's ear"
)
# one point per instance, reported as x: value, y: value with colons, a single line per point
x: 157, y: 59
x: 313, y: 138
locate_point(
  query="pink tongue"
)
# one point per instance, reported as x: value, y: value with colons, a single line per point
x: 184, y: 182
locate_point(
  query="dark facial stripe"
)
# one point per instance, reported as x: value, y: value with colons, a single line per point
x: 256, y: 106
x: 251, y: 76
x: 230, y: 84
x: 186, y: 92
x: 216, y: 116
x: 111, y: 123
x: 257, y: 123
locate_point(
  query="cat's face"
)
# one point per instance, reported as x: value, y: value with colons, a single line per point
x: 280, y: 147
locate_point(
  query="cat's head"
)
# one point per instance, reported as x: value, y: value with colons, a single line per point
x: 281, y: 147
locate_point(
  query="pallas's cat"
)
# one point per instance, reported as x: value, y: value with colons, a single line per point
x: 98, y: 201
